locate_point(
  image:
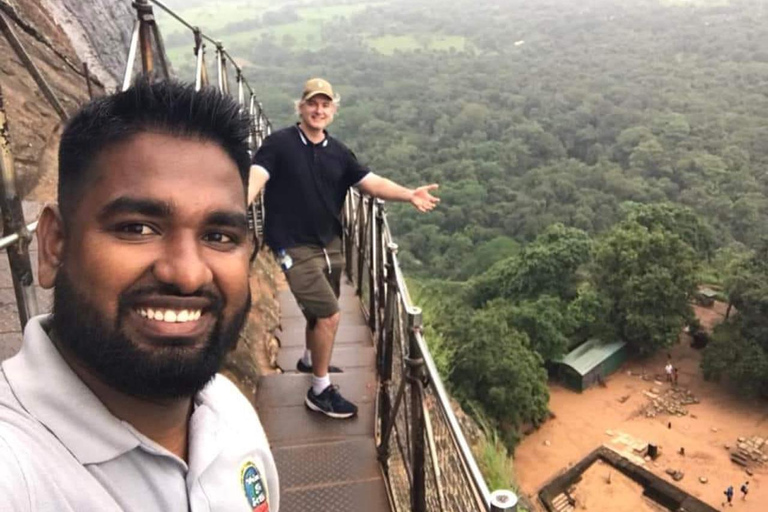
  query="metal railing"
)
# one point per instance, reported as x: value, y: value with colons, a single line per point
x: 146, y: 40
x: 426, y: 458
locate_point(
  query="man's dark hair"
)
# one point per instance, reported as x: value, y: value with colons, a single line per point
x: 169, y: 107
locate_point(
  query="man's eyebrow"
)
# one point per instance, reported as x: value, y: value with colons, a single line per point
x: 227, y: 218
x: 125, y: 204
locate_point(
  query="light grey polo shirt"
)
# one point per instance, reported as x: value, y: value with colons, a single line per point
x: 62, y: 450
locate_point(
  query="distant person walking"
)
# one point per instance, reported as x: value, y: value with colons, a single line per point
x: 675, y: 375
x: 744, y: 490
x: 307, y: 174
x: 668, y: 371
x: 728, y: 496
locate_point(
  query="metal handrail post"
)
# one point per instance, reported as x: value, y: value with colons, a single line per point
x: 240, y: 89
x: 221, y: 67
x: 252, y: 142
x: 373, y: 267
x: 384, y: 350
x: 381, y: 259
x: 145, y: 18
x: 415, y: 366
x: 361, y: 245
x: 18, y: 48
x: 349, y: 232
x: 13, y: 222
x: 128, y: 75
x: 164, y: 65
x: 199, y: 50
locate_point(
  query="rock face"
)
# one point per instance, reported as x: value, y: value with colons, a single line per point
x: 100, y: 31
x: 33, y: 124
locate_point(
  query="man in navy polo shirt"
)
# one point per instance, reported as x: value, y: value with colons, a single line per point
x: 307, y: 174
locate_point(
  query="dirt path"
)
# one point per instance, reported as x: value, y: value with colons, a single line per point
x: 585, y: 421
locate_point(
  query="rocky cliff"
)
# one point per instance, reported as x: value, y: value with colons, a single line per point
x: 100, y: 32
x: 33, y: 124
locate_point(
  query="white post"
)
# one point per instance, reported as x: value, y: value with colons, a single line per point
x: 503, y: 501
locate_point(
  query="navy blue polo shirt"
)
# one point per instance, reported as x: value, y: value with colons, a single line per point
x: 306, y: 189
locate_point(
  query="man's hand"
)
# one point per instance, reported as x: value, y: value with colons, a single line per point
x: 422, y: 200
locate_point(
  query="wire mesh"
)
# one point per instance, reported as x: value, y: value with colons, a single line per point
x: 449, y: 483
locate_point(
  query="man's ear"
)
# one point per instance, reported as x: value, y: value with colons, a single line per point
x: 50, y: 243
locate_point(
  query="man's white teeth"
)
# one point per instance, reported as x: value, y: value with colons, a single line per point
x: 171, y: 315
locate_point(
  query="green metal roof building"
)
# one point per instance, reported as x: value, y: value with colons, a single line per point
x: 589, y: 362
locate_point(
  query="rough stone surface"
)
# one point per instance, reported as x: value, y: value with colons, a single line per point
x: 672, y: 401
x: 100, y: 31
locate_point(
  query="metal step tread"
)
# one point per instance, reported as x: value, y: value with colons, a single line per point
x: 298, y: 425
x: 370, y: 496
x: 348, y: 357
x: 314, y: 465
x: 290, y: 389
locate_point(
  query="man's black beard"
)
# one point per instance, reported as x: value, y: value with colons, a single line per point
x: 162, y: 373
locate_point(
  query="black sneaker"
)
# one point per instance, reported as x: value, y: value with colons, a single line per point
x: 303, y: 368
x: 331, y: 403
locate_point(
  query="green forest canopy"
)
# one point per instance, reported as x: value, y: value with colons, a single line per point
x: 594, y: 158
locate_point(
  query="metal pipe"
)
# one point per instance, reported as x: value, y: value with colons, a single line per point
x: 145, y: 36
x: 220, y: 65
x: 164, y: 65
x: 11, y: 239
x: 361, y: 245
x: 128, y: 75
x: 415, y: 365
x: 240, y: 91
x: 372, y: 268
x: 430, y: 434
x: 15, y: 43
x: 252, y: 144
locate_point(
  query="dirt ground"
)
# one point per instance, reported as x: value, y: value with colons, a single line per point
x: 585, y: 421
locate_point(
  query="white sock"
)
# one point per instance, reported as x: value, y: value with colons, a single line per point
x: 320, y: 383
x: 307, y: 359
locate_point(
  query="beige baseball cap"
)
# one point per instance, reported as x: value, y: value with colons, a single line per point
x: 315, y: 86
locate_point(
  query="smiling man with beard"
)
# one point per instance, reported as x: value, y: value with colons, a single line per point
x: 113, y: 402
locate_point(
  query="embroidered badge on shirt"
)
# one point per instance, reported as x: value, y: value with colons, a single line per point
x: 254, y: 488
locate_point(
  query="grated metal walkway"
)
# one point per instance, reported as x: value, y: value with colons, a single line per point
x: 325, y: 465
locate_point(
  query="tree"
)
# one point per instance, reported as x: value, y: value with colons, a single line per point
x: 646, y: 276
x: 495, y: 368
x: 546, y: 266
x: 677, y: 219
x: 544, y: 320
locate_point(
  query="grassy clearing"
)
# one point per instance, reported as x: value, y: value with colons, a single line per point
x: 303, y: 34
x: 215, y: 14
x: 389, y: 44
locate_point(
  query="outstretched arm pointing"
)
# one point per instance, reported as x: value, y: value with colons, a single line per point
x: 386, y: 189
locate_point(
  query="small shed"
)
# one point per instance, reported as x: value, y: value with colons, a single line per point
x: 706, y: 296
x: 589, y: 362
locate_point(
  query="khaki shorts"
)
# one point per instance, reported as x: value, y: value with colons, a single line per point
x: 315, y: 278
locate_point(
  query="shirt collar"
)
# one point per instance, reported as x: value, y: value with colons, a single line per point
x: 307, y: 142
x: 53, y: 394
